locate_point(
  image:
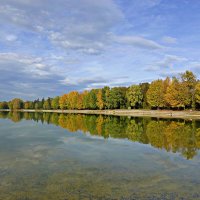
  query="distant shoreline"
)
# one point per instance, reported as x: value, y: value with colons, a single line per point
x: 124, y: 112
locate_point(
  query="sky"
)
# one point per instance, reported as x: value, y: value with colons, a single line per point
x: 48, y: 47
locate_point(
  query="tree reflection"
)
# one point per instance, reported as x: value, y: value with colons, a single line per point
x: 177, y: 136
x: 16, y: 116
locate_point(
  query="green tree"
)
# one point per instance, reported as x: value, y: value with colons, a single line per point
x: 10, y: 105
x: 31, y: 105
x: 144, y: 88
x: 105, y: 96
x: 117, y: 98
x: 41, y: 103
x: 38, y: 104
x: 92, y: 99
x: 55, y: 103
x: 134, y: 96
x: 190, y: 81
x: 85, y: 100
x: 47, y: 104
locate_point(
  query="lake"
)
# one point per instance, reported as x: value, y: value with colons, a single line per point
x: 46, y: 156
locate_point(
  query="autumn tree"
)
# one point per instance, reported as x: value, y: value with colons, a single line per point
x: 178, y: 94
x: 3, y: 105
x: 100, y: 102
x: 166, y: 84
x: 183, y: 92
x: 63, y: 102
x: 134, y: 96
x: 197, y: 93
x: 31, y: 105
x: 156, y: 94
x: 16, y: 104
x: 26, y: 105
x: 80, y: 101
x: 73, y: 99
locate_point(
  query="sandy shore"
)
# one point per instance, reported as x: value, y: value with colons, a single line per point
x: 125, y: 112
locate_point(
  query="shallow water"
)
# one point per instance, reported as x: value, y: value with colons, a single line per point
x: 57, y: 156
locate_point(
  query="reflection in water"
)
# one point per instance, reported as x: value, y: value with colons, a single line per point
x: 44, y: 162
x: 177, y: 136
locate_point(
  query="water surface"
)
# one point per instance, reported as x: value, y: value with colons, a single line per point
x: 65, y: 156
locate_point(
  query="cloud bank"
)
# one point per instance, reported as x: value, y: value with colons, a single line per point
x: 51, y: 47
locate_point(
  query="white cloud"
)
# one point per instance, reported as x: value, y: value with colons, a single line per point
x: 75, y: 25
x: 98, y: 40
x: 137, y: 41
x: 28, y: 77
x: 169, y: 61
x: 195, y: 67
x: 96, y: 82
x: 169, y: 40
x: 32, y: 65
x: 11, y: 38
x: 13, y: 15
x: 173, y: 73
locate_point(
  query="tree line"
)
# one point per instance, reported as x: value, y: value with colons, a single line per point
x: 178, y: 136
x: 182, y: 92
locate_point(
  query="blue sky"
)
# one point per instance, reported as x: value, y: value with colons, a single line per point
x: 50, y: 47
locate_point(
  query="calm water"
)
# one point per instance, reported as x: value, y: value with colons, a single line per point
x: 56, y: 156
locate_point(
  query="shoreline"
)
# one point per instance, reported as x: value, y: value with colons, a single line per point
x: 124, y: 112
